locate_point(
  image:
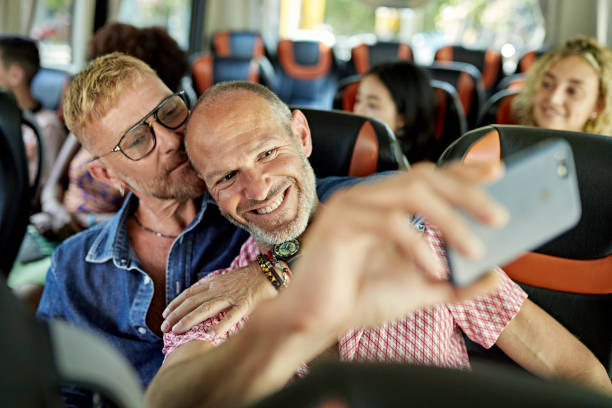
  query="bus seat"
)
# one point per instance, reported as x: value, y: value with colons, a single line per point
x: 48, y: 87
x: 514, y: 81
x: 391, y: 385
x: 488, y: 62
x: 527, y: 59
x: 498, y: 109
x: 364, y: 56
x: 345, y: 144
x: 450, y: 121
x: 306, y: 73
x: 208, y: 70
x: 39, y: 358
x: 238, y: 44
x: 466, y: 79
x: 570, y: 276
x: 346, y: 95
x: 15, y: 190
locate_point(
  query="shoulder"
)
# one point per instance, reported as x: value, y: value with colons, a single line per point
x: 326, y: 186
x: 81, y: 243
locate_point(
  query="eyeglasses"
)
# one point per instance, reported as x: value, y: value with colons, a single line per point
x: 139, y: 141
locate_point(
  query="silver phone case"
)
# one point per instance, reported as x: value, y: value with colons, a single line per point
x: 540, y: 191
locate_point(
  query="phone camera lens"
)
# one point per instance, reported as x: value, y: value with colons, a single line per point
x: 562, y: 170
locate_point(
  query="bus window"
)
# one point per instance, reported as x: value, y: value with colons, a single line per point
x: 52, y: 26
x: 174, y: 15
x: 510, y: 26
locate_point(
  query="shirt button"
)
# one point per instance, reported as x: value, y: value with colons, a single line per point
x: 147, y: 280
x: 142, y: 330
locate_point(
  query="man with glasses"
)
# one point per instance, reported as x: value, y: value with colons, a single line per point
x: 117, y: 277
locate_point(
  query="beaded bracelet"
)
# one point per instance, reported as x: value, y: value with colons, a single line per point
x: 273, y: 264
x: 286, y: 272
x: 269, y: 272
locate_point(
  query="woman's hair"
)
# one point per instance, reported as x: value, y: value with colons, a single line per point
x: 413, y: 96
x: 599, y: 57
x: 152, y: 45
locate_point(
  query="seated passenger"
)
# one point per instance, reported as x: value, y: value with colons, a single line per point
x: 569, y: 88
x: 19, y: 63
x: 73, y: 199
x: 400, y: 95
x: 350, y: 298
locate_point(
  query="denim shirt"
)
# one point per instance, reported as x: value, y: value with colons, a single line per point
x: 96, y: 281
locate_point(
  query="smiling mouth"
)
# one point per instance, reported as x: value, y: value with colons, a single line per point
x: 273, y: 205
x: 550, y: 112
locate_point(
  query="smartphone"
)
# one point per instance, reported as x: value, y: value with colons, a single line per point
x: 540, y: 191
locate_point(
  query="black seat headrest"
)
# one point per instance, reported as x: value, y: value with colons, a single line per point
x: 15, y: 192
x: 345, y: 144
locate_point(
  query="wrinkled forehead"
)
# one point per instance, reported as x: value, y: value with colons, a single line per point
x: 226, y: 127
x: 227, y: 115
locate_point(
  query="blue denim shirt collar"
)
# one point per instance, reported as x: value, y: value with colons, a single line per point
x: 113, y: 243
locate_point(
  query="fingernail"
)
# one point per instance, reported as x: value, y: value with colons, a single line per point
x: 475, y: 248
x: 177, y: 327
x: 503, y: 216
x: 164, y: 327
x: 164, y: 313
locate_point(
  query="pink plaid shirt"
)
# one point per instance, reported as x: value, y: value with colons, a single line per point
x: 431, y: 336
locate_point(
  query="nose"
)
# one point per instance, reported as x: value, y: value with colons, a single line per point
x: 256, y: 184
x: 359, y: 108
x: 557, y: 96
x: 168, y: 140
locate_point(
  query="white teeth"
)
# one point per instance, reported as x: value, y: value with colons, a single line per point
x: 271, y: 207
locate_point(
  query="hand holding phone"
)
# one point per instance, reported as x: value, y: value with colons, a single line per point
x: 540, y: 192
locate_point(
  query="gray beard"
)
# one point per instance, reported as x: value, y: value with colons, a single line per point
x: 307, y: 202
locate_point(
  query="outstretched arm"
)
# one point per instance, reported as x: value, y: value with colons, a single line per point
x: 541, y: 345
x: 362, y: 264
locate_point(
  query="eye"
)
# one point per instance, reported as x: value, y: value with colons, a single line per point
x: 136, y: 138
x: 227, y: 177
x: 547, y: 84
x: 575, y: 91
x: 268, y: 154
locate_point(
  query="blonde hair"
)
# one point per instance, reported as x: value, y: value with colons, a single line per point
x: 599, y: 57
x: 95, y: 90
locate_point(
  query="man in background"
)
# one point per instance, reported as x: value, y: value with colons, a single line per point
x: 19, y: 63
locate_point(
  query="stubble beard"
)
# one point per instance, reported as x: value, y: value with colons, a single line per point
x: 185, y: 186
x: 306, y: 197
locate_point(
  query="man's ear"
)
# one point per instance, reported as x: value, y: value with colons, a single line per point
x: 300, y: 129
x: 102, y: 173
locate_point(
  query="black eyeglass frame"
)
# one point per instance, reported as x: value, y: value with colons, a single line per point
x: 118, y: 148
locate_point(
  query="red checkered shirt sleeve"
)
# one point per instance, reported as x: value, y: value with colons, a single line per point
x: 432, y: 336
x: 484, y: 318
x: 248, y: 253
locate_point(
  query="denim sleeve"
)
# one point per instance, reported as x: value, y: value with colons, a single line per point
x: 52, y: 302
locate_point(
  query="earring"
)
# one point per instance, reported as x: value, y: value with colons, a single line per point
x: 121, y: 190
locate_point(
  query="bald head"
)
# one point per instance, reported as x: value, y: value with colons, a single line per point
x: 219, y: 110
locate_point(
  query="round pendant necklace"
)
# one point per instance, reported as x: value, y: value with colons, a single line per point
x: 159, y: 234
